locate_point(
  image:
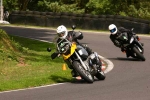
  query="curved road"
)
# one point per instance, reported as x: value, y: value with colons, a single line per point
x: 129, y: 80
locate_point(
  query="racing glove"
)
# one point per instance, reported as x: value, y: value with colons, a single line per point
x: 116, y: 43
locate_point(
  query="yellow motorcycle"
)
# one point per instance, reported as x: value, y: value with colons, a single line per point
x: 87, y: 66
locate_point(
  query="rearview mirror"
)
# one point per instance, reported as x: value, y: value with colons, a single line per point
x: 73, y: 27
x: 49, y: 49
x: 132, y: 29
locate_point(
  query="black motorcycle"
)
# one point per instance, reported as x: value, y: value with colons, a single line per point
x: 132, y: 46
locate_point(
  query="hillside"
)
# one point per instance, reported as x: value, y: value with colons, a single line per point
x: 8, y: 48
x: 25, y: 63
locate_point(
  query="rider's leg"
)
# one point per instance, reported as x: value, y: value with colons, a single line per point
x: 73, y: 72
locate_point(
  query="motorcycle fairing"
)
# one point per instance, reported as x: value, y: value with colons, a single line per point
x: 72, y: 50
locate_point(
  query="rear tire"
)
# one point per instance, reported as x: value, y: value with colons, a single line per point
x: 139, y: 54
x: 100, y: 75
x: 86, y: 75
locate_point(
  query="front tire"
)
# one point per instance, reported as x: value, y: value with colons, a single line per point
x: 86, y: 75
x: 138, y: 54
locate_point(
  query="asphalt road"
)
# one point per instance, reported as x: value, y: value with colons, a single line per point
x: 129, y: 79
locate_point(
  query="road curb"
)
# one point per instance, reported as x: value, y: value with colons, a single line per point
x: 107, y: 65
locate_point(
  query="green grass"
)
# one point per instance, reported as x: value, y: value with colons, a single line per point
x: 28, y: 64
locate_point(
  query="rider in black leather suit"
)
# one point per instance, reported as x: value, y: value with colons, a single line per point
x: 116, y: 33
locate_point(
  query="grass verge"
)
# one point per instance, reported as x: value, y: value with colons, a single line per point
x: 29, y: 65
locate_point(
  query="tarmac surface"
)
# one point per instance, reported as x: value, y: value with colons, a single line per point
x: 129, y: 79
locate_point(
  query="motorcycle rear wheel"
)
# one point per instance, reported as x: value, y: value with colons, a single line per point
x: 86, y: 75
x: 100, y: 75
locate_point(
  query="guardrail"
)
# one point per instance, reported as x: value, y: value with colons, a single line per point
x: 83, y: 21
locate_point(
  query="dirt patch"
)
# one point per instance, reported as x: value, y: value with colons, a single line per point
x: 21, y: 62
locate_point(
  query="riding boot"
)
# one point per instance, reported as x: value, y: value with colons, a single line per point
x: 142, y: 44
x: 127, y: 54
x: 74, y: 73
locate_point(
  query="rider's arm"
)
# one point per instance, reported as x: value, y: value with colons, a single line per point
x: 115, y: 41
x: 77, y: 35
x: 122, y: 30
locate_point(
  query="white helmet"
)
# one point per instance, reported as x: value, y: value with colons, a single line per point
x: 62, y: 31
x: 112, y: 28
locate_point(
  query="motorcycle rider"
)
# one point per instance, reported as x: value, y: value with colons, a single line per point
x: 72, y: 36
x: 117, y: 33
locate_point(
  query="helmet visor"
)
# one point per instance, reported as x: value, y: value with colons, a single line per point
x: 61, y: 34
x: 113, y: 30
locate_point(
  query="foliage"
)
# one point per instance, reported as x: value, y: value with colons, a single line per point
x: 23, y: 4
x: 10, y: 5
x: 133, y: 8
x: 59, y: 7
x: 9, y: 49
x: 142, y: 12
x: 97, y: 7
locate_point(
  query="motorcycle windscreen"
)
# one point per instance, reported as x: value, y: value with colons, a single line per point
x: 72, y: 50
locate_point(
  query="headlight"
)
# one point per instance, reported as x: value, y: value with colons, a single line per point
x: 62, y: 49
x: 131, y: 40
x: 65, y: 49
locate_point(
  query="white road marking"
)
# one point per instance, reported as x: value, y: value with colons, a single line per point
x: 32, y: 88
x: 110, y: 65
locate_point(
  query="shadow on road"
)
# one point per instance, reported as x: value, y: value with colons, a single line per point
x: 59, y: 79
x: 82, y: 81
x: 124, y: 59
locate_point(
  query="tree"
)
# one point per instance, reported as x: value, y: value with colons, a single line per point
x: 33, y: 5
x: 10, y: 5
x: 134, y: 8
x: 23, y: 4
x: 16, y: 4
x: 98, y: 7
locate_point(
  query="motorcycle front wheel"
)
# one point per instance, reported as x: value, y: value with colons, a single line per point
x: 86, y: 75
x: 138, y: 54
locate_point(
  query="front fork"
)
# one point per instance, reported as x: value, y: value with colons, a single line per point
x: 138, y: 43
x: 139, y: 46
x: 83, y: 64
